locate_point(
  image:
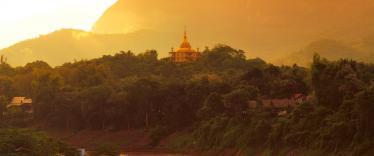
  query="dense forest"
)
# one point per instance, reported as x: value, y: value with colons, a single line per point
x: 206, y: 99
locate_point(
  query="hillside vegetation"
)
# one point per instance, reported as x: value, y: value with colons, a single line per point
x: 206, y: 99
x: 23, y: 142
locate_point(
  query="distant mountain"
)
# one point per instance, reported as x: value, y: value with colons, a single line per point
x: 271, y: 30
x: 68, y: 45
x: 268, y: 29
x: 332, y: 50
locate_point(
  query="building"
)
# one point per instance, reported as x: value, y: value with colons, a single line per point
x: 282, y: 105
x: 295, y: 100
x: 22, y: 102
x: 184, y: 53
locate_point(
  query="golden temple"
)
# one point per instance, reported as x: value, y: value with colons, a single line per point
x: 184, y: 53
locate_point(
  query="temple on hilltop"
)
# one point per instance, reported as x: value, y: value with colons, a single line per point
x: 184, y: 53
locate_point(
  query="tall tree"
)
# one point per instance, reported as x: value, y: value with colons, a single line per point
x: 3, y: 106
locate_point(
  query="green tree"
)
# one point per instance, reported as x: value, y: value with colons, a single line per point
x: 237, y: 101
x: 94, y: 105
x: 107, y: 150
x: 213, y: 106
x: 142, y: 93
x: 5, y: 68
x: 24, y: 142
x: 6, y: 86
x: 45, y: 88
x: 3, y: 106
x: 365, y: 110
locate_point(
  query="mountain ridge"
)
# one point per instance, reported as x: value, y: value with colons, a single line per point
x: 276, y: 33
x: 67, y: 45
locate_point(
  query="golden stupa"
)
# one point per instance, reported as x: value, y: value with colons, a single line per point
x: 184, y: 53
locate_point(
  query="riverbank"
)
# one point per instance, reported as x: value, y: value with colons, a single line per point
x: 138, y: 143
x: 131, y: 142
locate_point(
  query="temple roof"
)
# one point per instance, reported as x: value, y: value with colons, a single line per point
x: 185, y: 43
x: 185, y: 46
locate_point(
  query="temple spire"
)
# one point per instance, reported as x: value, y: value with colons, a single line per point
x: 185, y: 33
x: 184, y: 53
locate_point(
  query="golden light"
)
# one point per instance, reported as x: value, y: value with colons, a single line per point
x: 24, y: 19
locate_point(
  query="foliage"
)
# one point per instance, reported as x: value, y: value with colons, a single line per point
x: 23, y: 142
x: 157, y: 133
x: 209, y: 95
x: 106, y: 150
x: 337, y: 122
x: 3, y: 105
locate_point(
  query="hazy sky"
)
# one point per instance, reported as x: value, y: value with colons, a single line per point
x: 24, y: 19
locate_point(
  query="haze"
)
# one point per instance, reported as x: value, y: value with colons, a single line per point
x: 263, y: 28
x: 273, y: 30
x: 24, y: 19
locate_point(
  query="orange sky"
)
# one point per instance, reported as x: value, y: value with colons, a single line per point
x: 263, y: 28
x: 258, y: 26
x: 24, y: 19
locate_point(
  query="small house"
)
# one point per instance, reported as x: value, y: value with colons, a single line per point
x: 22, y: 102
x: 279, y: 103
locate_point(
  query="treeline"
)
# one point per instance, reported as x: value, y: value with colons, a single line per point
x: 337, y: 122
x: 23, y: 142
x: 134, y: 91
x: 208, y: 97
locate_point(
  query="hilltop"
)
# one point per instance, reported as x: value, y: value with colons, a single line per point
x: 270, y: 30
x: 67, y: 45
x: 332, y: 50
x: 221, y: 101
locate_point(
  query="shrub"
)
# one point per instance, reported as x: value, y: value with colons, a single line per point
x: 31, y: 143
x: 106, y: 150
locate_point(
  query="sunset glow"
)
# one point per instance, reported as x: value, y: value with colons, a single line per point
x: 186, y: 77
x: 23, y: 19
x: 270, y: 29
